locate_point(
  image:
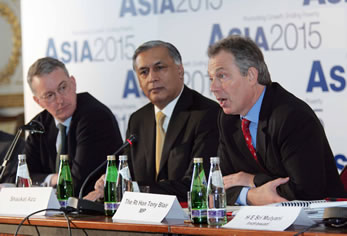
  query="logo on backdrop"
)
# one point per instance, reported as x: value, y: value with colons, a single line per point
x: 109, y: 48
x: 332, y: 80
x: 160, y: 7
x: 322, y: 2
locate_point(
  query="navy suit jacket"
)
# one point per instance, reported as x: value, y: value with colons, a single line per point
x: 192, y: 132
x: 93, y: 134
x: 290, y: 142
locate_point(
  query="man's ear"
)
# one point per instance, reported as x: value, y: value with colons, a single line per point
x: 181, y: 71
x: 252, y: 75
x: 73, y: 80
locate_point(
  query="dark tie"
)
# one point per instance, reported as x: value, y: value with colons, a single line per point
x: 245, y: 129
x: 62, y: 145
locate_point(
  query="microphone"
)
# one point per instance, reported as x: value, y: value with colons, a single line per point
x: 33, y: 126
x: 86, y: 206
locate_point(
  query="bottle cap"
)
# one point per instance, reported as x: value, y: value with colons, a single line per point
x: 64, y: 157
x: 123, y: 157
x: 22, y: 157
x: 198, y: 160
x: 111, y: 157
x: 214, y: 160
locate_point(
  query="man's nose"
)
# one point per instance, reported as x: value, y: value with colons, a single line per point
x: 153, y: 75
x: 59, y: 98
x: 214, y: 85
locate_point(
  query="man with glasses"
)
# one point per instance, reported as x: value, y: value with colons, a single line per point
x: 75, y: 124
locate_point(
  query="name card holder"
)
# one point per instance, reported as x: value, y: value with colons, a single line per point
x: 149, y: 209
x: 269, y: 218
x: 24, y: 201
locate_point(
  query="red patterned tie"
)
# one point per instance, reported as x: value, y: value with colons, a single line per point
x: 245, y: 129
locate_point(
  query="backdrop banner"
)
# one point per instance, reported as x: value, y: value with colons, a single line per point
x: 304, y: 43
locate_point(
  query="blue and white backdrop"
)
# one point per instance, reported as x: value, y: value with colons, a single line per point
x: 304, y: 43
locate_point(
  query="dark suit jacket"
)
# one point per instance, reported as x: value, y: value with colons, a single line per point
x: 192, y: 132
x: 93, y: 134
x: 11, y: 168
x: 290, y: 142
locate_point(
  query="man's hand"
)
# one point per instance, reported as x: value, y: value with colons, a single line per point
x: 266, y: 194
x: 54, y: 180
x: 99, y: 190
x: 238, y: 179
x: 99, y: 184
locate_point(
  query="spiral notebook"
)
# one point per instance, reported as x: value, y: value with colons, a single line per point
x: 313, y: 208
x: 299, y: 203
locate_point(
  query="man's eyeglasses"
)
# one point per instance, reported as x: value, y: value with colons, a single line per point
x: 63, y: 89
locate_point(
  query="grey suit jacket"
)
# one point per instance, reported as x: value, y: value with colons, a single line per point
x: 192, y: 132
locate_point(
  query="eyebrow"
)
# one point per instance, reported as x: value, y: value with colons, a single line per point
x: 217, y: 70
x: 155, y: 64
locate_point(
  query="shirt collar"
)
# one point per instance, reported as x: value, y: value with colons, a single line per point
x: 66, y: 123
x: 253, y: 114
x: 168, y: 110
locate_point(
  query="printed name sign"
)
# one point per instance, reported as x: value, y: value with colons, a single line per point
x: 269, y: 218
x: 149, y: 208
x: 24, y: 201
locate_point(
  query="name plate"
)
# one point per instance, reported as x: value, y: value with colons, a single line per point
x: 269, y: 218
x: 24, y: 201
x: 149, y: 208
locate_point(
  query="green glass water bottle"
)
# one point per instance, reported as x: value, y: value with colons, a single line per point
x: 110, y: 193
x: 65, y: 185
x: 198, y: 193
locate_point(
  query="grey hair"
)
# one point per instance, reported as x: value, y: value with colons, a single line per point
x: 173, y: 52
x: 44, y: 66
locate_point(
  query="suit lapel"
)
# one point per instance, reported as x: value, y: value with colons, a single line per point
x: 149, y: 128
x: 263, y: 124
x: 51, y: 142
x: 177, y: 123
x: 240, y: 141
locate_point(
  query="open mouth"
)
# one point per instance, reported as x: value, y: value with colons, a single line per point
x: 221, y: 101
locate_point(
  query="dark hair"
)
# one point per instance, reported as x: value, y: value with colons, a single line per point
x: 173, y: 52
x: 246, y: 53
x: 44, y: 66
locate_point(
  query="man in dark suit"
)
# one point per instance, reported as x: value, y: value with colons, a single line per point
x: 273, y: 148
x: 11, y: 167
x: 190, y: 123
x: 92, y: 131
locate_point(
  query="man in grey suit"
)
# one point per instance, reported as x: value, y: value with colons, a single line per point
x: 190, y: 124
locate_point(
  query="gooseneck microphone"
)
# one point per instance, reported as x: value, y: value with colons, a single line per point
x: 87, y: 206
x: 33, y: 126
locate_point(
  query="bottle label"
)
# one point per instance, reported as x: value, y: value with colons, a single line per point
x: 217, y: 179
x: 63, y: 203
x: 23, y: 172
x: 199, y: 213
x: 216, y: 213
x: 125, y: 173
x: 111, y: 206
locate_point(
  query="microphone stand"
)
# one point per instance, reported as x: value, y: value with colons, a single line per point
x: 33, y: 126
x: 9, y: 153
x: 89, y: 207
